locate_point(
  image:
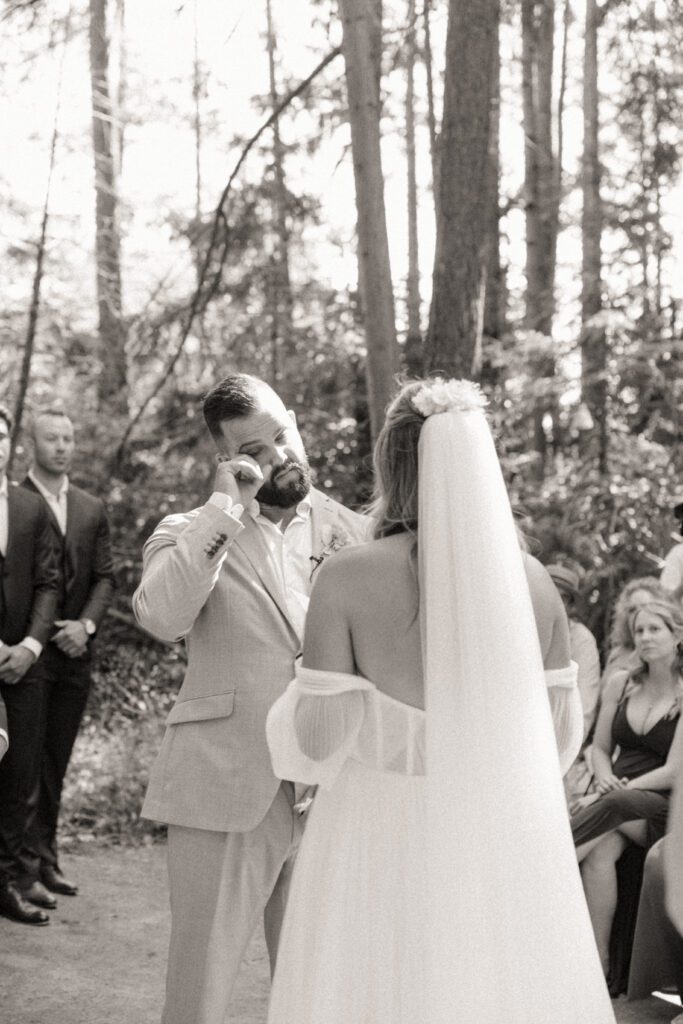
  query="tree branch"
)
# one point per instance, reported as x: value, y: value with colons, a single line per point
x: 203, y: 295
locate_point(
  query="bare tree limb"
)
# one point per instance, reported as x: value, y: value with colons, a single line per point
x: 203, y: 295
x: 34, y: 308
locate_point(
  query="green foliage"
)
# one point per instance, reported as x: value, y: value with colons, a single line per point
x: 614, y: 527
x: 134, y: 687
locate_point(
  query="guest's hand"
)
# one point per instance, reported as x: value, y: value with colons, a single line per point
x: 15, y: 661
x: 583, y: 801
x: 72, y: 638
x: 240, y: 478
x: 608, y: 783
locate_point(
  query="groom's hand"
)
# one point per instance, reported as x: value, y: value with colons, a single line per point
x: 240, y: 478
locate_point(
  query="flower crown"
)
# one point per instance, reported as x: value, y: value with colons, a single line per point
x: 441, y: 395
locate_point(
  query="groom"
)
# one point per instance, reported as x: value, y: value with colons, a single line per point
x: 232, y: 579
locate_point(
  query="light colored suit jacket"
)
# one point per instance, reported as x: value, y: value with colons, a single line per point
x: 208, y: 579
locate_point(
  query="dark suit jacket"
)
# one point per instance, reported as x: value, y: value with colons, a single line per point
x: 30, y: 574
x: 85, y: 555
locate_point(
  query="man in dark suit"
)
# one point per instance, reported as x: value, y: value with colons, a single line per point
x: 80, y: 528
x: 29, y: 581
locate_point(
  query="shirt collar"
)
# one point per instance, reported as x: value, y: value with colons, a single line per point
x: 3, y: 487
x: 303, y: 509
x: 48, y: 495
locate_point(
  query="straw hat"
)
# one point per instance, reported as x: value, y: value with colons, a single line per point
x: 564, y: 578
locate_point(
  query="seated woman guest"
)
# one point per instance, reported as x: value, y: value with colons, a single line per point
x: 640, y: 715
x: 633, y: 594
x: 657, y: 961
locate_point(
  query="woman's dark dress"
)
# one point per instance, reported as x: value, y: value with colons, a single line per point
x: 638, y: 754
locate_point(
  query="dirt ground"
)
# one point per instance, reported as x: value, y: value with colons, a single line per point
x: 101, y: 960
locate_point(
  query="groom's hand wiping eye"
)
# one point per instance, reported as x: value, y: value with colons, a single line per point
x: 240, y: 477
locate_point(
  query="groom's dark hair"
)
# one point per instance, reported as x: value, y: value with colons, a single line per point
x: 233, y: 397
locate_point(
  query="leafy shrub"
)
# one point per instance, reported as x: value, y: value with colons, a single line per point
x: 134, y: 688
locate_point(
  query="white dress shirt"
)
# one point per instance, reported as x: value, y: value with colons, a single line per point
x: 57, y: 502
x: 290, y: 551
x: 672, y: 573
x: 584, y: 651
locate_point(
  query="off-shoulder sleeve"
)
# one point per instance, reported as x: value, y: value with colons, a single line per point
x: 312, y: 728
x: 567, y: 712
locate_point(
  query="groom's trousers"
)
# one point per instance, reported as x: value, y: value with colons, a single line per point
x: 220, y: 884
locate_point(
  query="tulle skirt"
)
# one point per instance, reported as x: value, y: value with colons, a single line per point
x: 354, y: 942
x: 352, y: 946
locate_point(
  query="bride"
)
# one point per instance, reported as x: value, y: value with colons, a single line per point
x: 436, y: 882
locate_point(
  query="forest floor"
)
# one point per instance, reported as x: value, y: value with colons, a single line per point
x: 101, y: 959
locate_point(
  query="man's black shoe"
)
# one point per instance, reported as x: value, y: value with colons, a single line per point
x: 54, y: 880
x: 13, y: 905
x: 37, y: 894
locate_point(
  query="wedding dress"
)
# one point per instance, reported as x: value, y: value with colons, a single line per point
x: 353, y: 949
x: 436, y: 882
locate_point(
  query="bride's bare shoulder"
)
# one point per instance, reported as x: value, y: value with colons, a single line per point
x: 350, y: 566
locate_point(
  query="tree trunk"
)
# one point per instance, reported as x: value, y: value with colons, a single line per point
x: 121, y: 86
x: 197, y: 124
x: 413, y: 347
x: 541, y: 196
x: 112, y: 386
x: 495, y: 296
x: 456, y: 318
x: 431, y: 112
x: 359, y: 30
x: 593, y: 335
x: 281, y: 302
x: 538, y: 18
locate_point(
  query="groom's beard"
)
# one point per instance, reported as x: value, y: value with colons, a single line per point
x: 286, y: 495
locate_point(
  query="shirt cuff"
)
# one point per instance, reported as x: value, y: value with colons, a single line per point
x: 225, y: 503
x: 32, y: 645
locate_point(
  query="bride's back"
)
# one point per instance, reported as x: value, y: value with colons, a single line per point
x: 379, y: 592
x: 364, y: 617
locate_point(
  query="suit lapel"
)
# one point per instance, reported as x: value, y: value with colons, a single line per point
x: 53, y: 519
x: 71, y: 513
x: 11, y: 511
x: 72, y: 528
x: 252, y: 544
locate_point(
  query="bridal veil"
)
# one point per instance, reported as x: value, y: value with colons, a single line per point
x: 507, y: 916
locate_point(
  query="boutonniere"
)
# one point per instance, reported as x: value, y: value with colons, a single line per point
x: 334, y: 538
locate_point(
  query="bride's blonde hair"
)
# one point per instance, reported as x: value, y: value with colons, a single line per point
x: 395, y: 502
